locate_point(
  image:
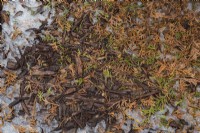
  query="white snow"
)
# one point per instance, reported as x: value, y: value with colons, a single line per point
x: 23, y: 16
x: 9, y: 128
x: 28, y: 19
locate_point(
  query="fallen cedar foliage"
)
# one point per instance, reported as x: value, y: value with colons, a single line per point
x: 108, y: 59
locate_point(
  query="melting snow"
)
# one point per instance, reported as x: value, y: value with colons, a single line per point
x: 23, y: 16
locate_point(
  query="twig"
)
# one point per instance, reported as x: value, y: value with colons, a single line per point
x: 17, y: 101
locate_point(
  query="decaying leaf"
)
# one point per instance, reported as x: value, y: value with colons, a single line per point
x: 5, y: 17
x: 79, y: 65
x: 16, y: 33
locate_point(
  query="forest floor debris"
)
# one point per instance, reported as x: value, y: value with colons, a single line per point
x: 128, y: 66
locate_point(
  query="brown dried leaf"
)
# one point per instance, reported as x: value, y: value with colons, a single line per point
x: 16, y: 33
x: 195, y: 53
x: 162, y: 67
x: 182, y: 86
x: 70, y: 90
x: 192, y: 81
x: 71, y: 68
x: 79, y: 65
x: 42, y: 73
x: 5, y: 17
x: 157, y: 15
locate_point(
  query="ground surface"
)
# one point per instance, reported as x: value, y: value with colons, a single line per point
x: 125, y: 66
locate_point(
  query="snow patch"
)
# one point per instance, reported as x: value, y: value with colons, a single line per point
x: 23, y: 16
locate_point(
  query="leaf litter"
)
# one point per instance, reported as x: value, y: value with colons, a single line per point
x: 83, y: 71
